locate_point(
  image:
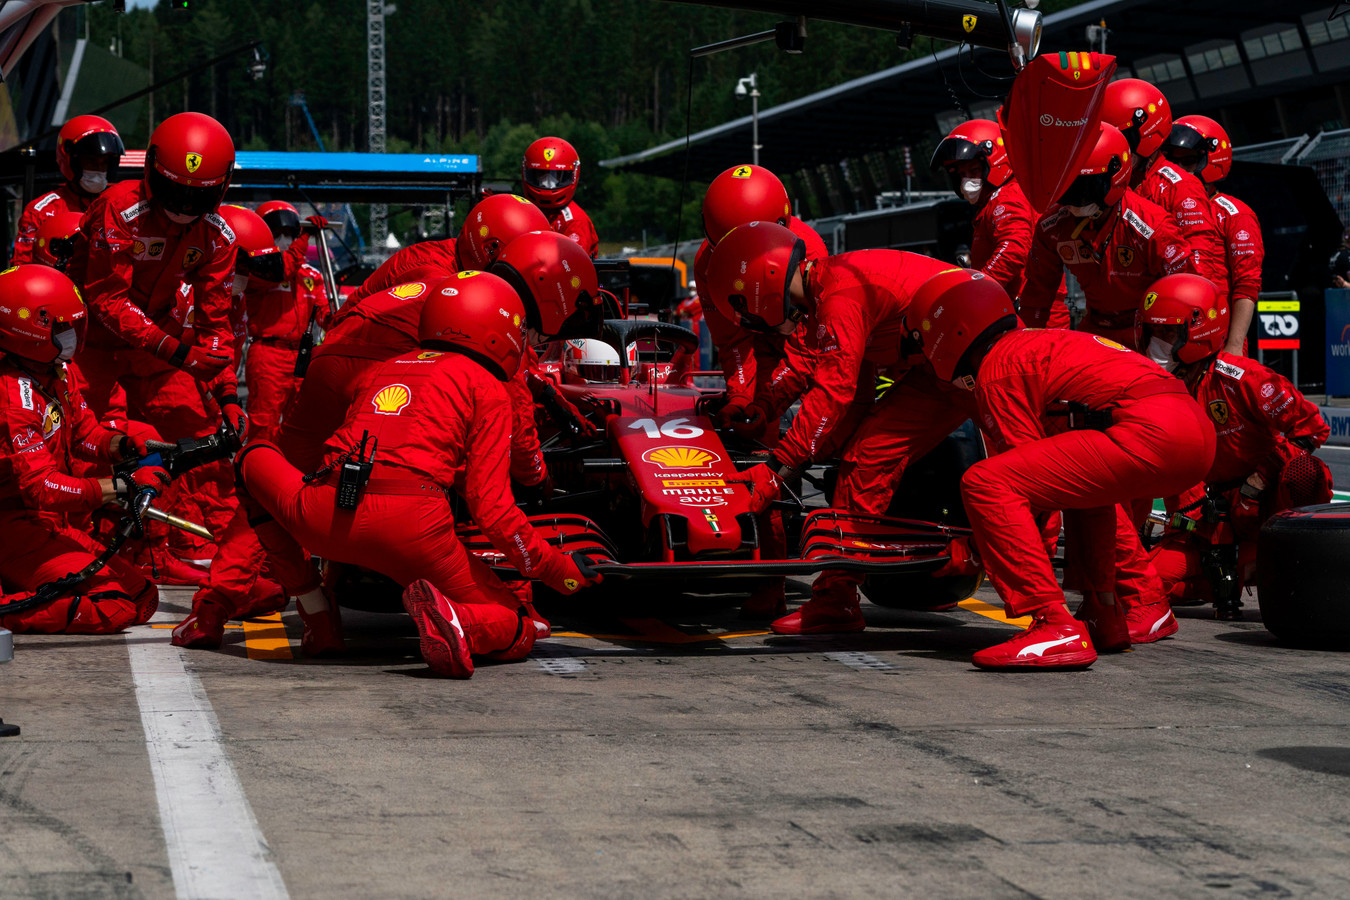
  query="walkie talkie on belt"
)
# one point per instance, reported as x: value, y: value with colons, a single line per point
x: 355, y: 472
x: 303, y: 352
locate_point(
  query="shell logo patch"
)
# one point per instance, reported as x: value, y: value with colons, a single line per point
x: 549, y: 153
x: 742, y: 172
x: 1151, y: 298
x: 1107, y: 342
x: 409, y: 290
x: 1218, y: 411
x: 576, y: 281
x: 738, y: 285
x: 926, y: 324
x: 194, y: 162
x: 968, y: 23
x: 1125, y: 256
x: 515, y: 320
x: 51, y: 420
x: 24, y: 313
x: 681, y: 457
x: 1213, y: 313
x: 391, y: 400
x: 484, y: 231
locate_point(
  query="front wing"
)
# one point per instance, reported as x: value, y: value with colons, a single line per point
x: 831, y: 539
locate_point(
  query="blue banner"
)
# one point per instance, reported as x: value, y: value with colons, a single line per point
x: 254, y: 160
x: 1338, y: 342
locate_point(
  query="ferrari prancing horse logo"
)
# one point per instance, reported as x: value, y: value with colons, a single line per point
x: 968, y: 23
x: 194, y: 162
x: 741, y: 172
x: 1218, y: 411
x: 548, y: 154
x: 1125, y: 256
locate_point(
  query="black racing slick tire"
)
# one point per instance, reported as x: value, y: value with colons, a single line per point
x: 931, y: 491
x: 1301, y: 585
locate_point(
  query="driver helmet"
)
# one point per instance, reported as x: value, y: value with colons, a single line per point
x: 591, y: 361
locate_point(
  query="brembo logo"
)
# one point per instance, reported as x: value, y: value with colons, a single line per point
x: 1049, y: 120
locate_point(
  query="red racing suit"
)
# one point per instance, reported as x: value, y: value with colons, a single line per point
x: 278, y: 317
x: 1001, y: 243
x: 44, y: 421
x: 1241, y: 232
x: 433, y: 414
x: 1184, y: 196
x: 1158, y: 440
x: 415, y: 262
x: 1257, y: 413
x: 1115, y: 259
x: 740, y: 351
x: 571, y: 220
x: 63, y: 199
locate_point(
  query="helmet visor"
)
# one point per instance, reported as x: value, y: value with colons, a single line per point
x: 549, y: 179
x: 1186, y: 147
x: 283, y: 221
x: 267, y: 267
x: 100, y: 143
x: 183, y: 199
x: 1087, y: 190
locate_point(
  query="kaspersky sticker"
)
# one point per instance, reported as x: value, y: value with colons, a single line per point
x: 194, y: 162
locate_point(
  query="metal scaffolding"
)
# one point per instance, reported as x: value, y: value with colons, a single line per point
x: 375, y: 82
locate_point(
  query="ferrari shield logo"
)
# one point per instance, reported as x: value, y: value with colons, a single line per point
x: 548, y: 154
x: 968, y: 23
x: 741, y: 172
x: 194, y: 162
x: 308, y: 282
x: 1218, y: 411
x: 191, y: 256
x: 1125, y: 256
x: 1150, y: 298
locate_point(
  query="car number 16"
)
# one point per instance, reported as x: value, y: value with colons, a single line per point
x: 671, y: 428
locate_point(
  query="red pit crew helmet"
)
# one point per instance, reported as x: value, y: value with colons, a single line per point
x: 281, y: 218
x: 955, y: 311
x: 188, y: 165
x: 479, y: 315
x: 491, y: 225
x: 978, y: 139
x: 1193, y: 304
x: 1104, y: 174
x: 743, y: 194
x: 1141, y: 113
x: 750, y: 273
x: 42, y: 316
x: 55, y: 243
x: 86, y: 136
x: 258, y: 254
x: 1200, y: 145
x: 557, y: 283
x: 549, y: 172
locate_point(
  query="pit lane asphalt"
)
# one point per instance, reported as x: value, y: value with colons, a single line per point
x: 671, y: 763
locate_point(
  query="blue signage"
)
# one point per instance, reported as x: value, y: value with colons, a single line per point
x: 1338, y: 342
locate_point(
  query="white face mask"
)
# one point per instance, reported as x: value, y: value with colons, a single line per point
x: 1160, y: 351
x: 66, y: 340
x: 284, y: 243
x: 1085, y: 212
x: 180, y: 218
x: 240, y: 284
x: 94, y: 182
x: 970, y: 189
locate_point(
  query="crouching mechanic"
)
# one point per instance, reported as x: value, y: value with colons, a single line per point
x: 43, y: 422
x: 427, y: 414
x: 845, y: 316
x: 1266, y: 430
x: 1074, y: 422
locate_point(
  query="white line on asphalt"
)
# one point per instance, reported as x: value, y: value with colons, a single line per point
x: 216, y: 848
x: 857, y: 660
x: 562, y: 666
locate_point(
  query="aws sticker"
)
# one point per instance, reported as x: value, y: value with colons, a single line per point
x: 1218, y: 411
x: 549, y: 153
x: 1107, y: 342
x: 742, y: 172
x: 194, y: 162
x: 409, y: 290
x: 968, y: 23
x: 191, y: 256
x: 1152, y: 297
x: 681, y: 457
x: 1125, y: 256
x: 392, y: 400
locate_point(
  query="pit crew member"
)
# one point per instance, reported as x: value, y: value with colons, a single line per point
x: 43, y: 422
x: 1129, y: 433
x: 1266, y: 430
x: 432, y: 412
x: 88, y: 149
x: 548, y: 176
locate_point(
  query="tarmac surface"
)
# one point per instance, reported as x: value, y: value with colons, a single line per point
x: 675, y: 752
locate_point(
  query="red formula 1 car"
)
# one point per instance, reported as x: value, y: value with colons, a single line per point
x: 648, y: 496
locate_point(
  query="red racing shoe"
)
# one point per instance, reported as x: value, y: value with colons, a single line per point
x: 203, y: 629
x: 817, y: 618
x: 1105, y: 623
x: 322, y: 634
x: 766, y: 601
x: 444, y: 645
x: 1151, y: 622
x: 1055, y: 640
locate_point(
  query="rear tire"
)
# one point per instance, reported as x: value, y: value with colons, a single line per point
x: 1300, y: 575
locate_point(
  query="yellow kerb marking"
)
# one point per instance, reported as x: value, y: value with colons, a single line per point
x: 265, y: 638
x: 994, y: 612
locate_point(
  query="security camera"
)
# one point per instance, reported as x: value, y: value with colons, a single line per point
x: 741, y: 92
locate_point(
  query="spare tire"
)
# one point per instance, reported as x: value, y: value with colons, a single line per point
x: 931, y: 492
x: 1300, y: 573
